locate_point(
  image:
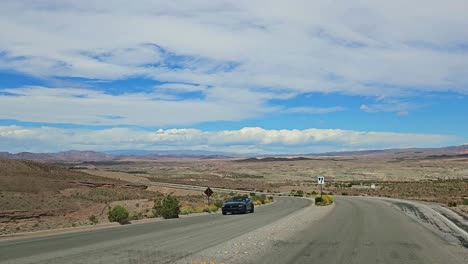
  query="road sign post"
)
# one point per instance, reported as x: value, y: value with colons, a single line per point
x: 208, y: 192
x: 321, y: 182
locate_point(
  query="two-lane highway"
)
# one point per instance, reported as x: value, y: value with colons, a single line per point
x: 355, y: 230
x: 160, y: 242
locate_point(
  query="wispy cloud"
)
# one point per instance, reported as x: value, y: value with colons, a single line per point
x: 91, y: 107
x: 314, y: 110
x: 395, y: 106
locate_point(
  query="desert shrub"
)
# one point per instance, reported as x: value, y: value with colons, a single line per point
x: 199, y: 209
x: 269, y: 199
x: 93, y: 219
x: 314, y: 193
x: 136, y: 216
x: 118, y: 214
x: 452, y: 204
x: 324, y: 200
x: 218, y: 203
x: 257, y: 202
x: 465, y: 201
x: 258, y: 199
x: 344, y: 193
x: 328, y: 199
x: 318, y: 200
x: 186, y: 209
x: 206, y: 208
x: 167, y: 206
x: 212, y: 208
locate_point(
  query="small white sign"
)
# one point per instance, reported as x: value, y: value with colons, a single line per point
x: 321, y: 180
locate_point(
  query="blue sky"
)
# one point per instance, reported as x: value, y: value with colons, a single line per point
x: 237, y: 77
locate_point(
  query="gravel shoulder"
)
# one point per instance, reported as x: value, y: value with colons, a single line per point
x: 441, y: 221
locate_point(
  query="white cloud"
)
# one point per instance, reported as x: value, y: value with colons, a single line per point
x: 181, y: 87
x: 302, y: 46
x: 395, y: 106
x: 84, y: 106
x: 315, y: 110
x: 245, y: 140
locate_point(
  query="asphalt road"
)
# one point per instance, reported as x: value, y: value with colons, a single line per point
x: 356, y: 231
x: 159, y: 242
x: 363, y: 230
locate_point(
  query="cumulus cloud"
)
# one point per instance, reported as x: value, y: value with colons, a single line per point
x: 243, y: 141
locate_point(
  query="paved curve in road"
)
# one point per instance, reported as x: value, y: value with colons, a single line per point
x: 356, y: 231
x: 159, y: 242
x: 363, y: 230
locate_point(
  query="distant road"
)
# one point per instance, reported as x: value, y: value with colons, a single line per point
x: 357, y: 230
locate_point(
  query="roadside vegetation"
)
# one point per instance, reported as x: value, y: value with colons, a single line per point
x: 118, y: 214
x: 215, y: 205
x: 324, y: 200
x: 166, y: 206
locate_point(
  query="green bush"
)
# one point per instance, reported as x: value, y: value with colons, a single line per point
x: 324, y: 200
x: 167, y: 206
x: 118, y: 214
x: 318, y: 199
x: 452, y: 204
x: 465, y: 201
x: 93, y: 219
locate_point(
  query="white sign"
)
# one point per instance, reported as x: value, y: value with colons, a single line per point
x: 321, y: 180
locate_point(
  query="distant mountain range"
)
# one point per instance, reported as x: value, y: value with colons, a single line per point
x: 187, y: 152
x: 452, y: 150
x: 83, y: 156
x: 88, y: 156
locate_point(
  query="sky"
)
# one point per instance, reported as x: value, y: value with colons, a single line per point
x: 245, y: 77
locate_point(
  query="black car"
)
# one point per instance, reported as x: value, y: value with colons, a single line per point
x: 238, y: 205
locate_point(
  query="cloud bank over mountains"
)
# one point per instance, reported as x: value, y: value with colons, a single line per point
x: 246, y: 140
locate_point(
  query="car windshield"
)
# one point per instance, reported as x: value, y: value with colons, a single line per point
x: 237, y: 199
